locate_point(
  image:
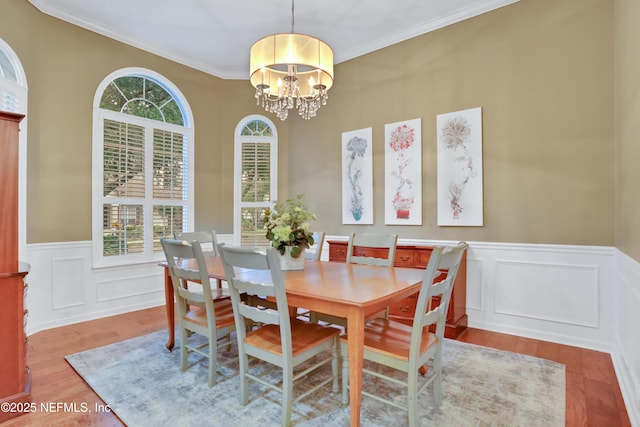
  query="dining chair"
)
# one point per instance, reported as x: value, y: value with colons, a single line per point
x: 198, y: 312
x: 280, y: 340
x: 209, y: 242
x: 315, y: 252
x: 407, y: 348
x: 366, y: 249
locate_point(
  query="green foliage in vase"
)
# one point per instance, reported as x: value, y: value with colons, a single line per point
x: 288, y: 225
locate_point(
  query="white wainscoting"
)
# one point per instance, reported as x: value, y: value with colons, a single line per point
x: 576, y: 295
x: 555, y: 293
x: 63, y: 288
x: 626, y: 335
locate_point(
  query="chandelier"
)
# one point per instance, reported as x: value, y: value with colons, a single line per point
x: 291, y: 70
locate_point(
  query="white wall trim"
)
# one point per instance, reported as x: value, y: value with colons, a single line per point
x: 626, y: 351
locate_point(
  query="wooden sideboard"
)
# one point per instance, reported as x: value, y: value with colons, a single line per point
x: 415, y: 257
x: 15, y: 380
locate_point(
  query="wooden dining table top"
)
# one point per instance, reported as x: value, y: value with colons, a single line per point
x: 335, y: 282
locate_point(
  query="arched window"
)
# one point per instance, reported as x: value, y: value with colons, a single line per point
x: 13, y: 98
x: 255, y: 178
x: 143, y: 166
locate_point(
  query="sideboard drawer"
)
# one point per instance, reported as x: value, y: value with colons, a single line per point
x: 338, y: 252
x: 404, y: 309
x: 405, y: 258
x: 422, y: 256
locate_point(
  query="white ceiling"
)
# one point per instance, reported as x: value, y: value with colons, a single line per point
x: 215, y: 36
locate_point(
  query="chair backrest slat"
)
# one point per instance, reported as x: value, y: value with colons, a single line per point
x: 208, y: 240
x: 259, y: 314
x: 380, y: 262
x: 252, y: 288
x: 190, y: 296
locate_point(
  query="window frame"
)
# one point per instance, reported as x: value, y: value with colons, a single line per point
x: 148, y: 201
x: 239, y: 139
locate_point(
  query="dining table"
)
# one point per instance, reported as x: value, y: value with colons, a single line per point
x: 351, y: 291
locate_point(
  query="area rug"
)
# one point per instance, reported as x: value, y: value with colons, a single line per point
x: 142, y: 383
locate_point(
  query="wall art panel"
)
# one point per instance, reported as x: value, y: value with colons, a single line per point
x: 403, y: 173
x: 460, y: 168
x: 357, y: 177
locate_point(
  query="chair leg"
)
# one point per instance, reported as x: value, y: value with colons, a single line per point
x: 412, y: 398
x: 437, y: 380
x: 244, y: 381
x: 287, y: 395
x: 184, y: 336
x: 334, y: 364
x: 213, y: 358
x: 345, y: 375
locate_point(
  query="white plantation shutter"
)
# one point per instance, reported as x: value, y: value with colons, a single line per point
x: 256, y: 172
x: 256, y: 197
x: 170, y: 163
x: 145, y: 155
x: 256, y: 178
x: 123, y: 160
x: 123, y: 188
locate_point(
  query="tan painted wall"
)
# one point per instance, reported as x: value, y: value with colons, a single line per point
x: 541, y: 69
x: 627, y: 127
x: 543, y: 73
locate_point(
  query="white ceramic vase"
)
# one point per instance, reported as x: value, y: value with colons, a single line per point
x: 288, y: 263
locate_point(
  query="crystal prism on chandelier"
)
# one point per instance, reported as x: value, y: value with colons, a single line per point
x: 290, y: 71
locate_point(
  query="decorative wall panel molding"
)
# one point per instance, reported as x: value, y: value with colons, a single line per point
x: 67, y: 280
x: 524, y: 289
x: 118, y: 288
x: 474, y: 276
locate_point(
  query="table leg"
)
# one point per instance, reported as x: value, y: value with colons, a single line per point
x: 355, y: 342
x: 168, y: 296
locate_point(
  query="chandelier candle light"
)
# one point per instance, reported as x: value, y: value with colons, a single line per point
x: 291, y: 70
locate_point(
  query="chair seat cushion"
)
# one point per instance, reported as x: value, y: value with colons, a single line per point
x: 224, y: 314
x: 393, y: 338
x: 304, y: 335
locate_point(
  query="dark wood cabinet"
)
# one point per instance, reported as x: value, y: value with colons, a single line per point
x: 415, y: 257
x: 15, y: 380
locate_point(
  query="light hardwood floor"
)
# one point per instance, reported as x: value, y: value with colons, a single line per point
x: 593, y: 394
